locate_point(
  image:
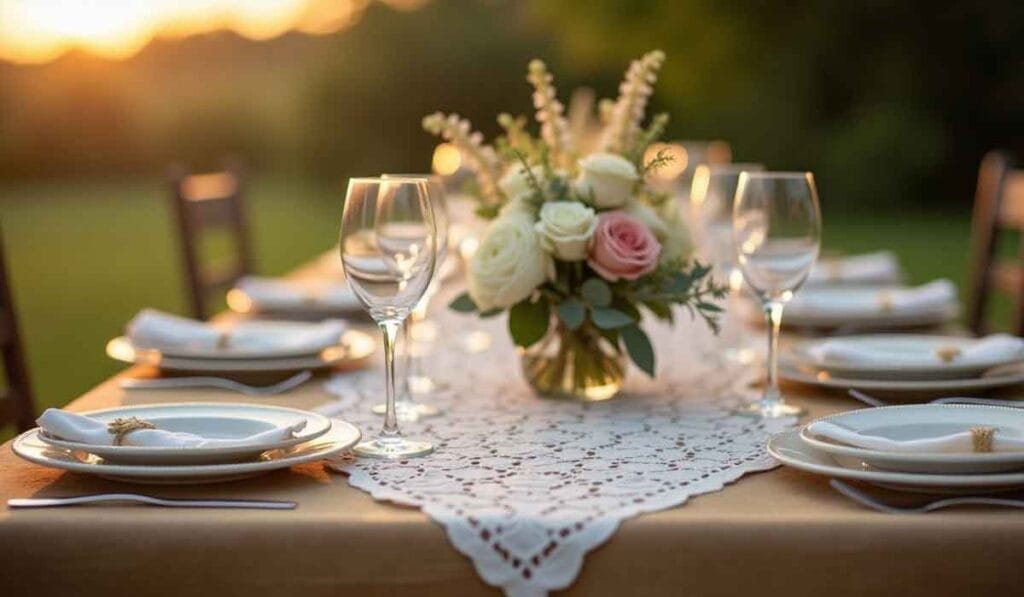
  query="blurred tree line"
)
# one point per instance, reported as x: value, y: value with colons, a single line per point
x: 886, y: 101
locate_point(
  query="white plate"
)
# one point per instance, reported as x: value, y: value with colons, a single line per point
x: 353, y: 351
x: 921, y: 421
x: 901, y: 345
x: 215, y: 421
x: 856, y: 317
x: 906, y: 391
x: 790, y: 449
x: 339, y: 438
x: 281, y: 328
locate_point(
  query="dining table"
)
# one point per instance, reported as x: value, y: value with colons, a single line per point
x: 777, y: 532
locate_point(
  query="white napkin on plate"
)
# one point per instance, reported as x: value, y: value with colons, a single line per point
x: 953, y: 443
x: 997, y: 347
x: 930, y: 296
x: 79, y: 428
x: 163, y: 331
x: 881, y: 266
x: 271, y: 294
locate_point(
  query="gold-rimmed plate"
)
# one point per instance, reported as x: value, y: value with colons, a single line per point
x: 353, y: 351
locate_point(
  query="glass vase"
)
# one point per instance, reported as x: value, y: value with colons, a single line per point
x: 576, y: 364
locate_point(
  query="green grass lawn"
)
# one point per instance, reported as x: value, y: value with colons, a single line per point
x: 86, y: 256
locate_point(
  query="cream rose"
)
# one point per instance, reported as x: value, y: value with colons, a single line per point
x: 509, y: 263
x: 515, y: 184
x: 565, y: 229
x: 608, y: 178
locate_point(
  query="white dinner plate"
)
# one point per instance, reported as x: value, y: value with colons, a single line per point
x: 210, y: 420
x: 339, y: 438
x: 279, y: 328
x: 353, y: 351
x: 848, y: 311
x: 902, y: 346
x: 790, y: 449
x: 922, y: 421
x: 905, y: 390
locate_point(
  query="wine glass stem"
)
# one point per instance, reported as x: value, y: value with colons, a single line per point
x: 773, y: 312
x: 406, y: 393
x: 389, y: 329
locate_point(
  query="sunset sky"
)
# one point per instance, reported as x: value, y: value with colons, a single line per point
x: 41, y: 30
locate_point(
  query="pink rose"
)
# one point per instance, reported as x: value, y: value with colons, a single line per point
x: 623, y: 247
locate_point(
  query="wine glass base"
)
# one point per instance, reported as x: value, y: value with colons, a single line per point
x: 773, y: 410
x: 408, y: 412
x: 392, y: 448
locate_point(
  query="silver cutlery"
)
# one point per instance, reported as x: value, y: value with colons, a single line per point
x: 151, y: 501
x: 168, y: 383
x: 874, y: 503
x: 872, y: 401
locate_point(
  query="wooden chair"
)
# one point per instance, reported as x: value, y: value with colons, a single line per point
x: 998, y: 210
x: 203, y: 202
x: 16, y: 401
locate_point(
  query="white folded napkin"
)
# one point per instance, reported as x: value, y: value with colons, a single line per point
x: 163, y: 331
x: 271, y: 294
x: 78, y: 428
x: 953, y: 443
x: 930, y: 296
x: 881, y: 266
x: 997, y: 347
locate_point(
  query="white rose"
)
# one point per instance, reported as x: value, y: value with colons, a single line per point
x: 515, y: 184
x: 667, y: 227
x: 509, y: 263
x: 565, y: 228
x: 608, y: 178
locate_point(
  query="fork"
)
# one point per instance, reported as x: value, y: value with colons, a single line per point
x: 216, y: 382
x: 149, y: 500
x: 872, y: 401
x: 875, y: 504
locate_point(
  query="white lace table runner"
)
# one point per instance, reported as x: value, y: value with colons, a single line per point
x: 525, y: 487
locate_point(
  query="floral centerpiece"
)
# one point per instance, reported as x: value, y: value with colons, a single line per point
x: 580, y: 245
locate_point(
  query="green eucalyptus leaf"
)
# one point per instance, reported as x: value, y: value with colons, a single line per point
x: 638, y: 345
x: 709, y: 307
x: 572, y: 312
x: 597, y: 292
x: 528, y: 321
x: 463, y: 304
x: 607, y: 318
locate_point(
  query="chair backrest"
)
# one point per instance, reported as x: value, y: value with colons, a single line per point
x: 16, y: 401
x: 998, y: 209
x: 204, y: 202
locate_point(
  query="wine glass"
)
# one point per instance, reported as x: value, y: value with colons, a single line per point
x: 711, y: 199
x: 388, y: 245
x: 414, y: 380
x: 777, y: 236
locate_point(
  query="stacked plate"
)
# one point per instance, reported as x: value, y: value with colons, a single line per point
x: 320, y: 438
x: 921, y: 453
x: 872, y: 308
x: 261, y: 346
x: 907, y: 367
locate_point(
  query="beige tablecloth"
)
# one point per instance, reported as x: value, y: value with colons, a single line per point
x: 777, y: 533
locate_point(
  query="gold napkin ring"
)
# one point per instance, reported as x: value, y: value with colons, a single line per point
x: 885, y: 301
x: 121, y: 427
x: 947, y: 353
x: 982, y: 437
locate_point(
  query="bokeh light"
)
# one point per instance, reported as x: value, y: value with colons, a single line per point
x: 41, y: 30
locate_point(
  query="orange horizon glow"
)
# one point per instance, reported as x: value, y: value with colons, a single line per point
x: 35, y: 31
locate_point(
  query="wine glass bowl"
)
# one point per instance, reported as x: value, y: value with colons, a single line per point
x: 777, y: 238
